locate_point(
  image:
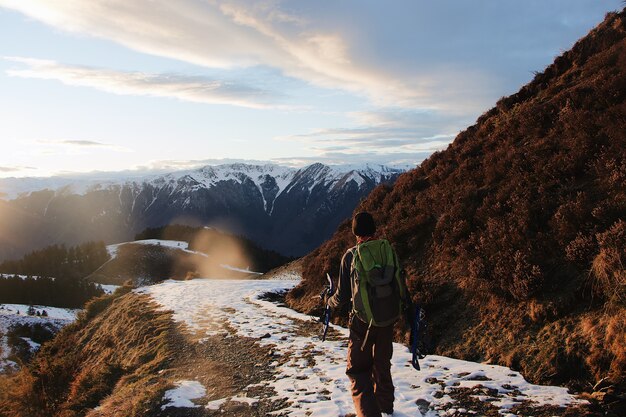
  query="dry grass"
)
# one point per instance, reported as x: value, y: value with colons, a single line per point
x: 113, y: 351
x: 608, y: 271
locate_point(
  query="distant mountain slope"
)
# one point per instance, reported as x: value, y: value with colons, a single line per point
x: 286, y: 209
x: 146, y: 262
x: 499, y: 232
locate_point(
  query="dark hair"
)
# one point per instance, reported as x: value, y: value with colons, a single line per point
x: 363, y: 224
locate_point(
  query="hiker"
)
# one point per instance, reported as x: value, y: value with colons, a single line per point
x: 376, y: 306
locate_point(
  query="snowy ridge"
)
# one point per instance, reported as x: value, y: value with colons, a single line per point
x: 311, y: 374
x: 206, y: 177
x: 173, y: 244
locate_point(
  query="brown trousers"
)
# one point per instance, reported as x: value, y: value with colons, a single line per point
x: 369, y: 369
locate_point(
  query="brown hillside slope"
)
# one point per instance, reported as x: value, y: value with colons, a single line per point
x: 114, y: 351
x: 514, y: 238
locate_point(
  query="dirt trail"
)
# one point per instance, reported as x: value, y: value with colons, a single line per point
x: 256, y: 358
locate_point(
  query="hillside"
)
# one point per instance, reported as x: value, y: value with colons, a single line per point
x: 21, y: 333
x: 146, y: 262
x: 514, y: 237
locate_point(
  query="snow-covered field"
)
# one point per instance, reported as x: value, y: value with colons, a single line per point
x: 322, y: 389
x: 16, y: 314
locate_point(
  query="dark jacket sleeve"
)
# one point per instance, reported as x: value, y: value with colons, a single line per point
x: 343, y: 294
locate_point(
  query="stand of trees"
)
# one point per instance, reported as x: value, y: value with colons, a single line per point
x: 54, y: 276
x: 54, y: 292
x: 60, y: 261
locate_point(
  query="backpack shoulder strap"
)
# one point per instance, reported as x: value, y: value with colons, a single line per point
x: 404, y: 294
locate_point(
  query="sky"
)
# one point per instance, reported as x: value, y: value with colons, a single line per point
x: 116, y: 85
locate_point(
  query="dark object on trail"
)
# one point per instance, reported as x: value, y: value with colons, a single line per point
x: 417, y: 345
x: 327, y: 293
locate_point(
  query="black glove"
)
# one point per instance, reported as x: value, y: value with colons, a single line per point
x: 322, y: 316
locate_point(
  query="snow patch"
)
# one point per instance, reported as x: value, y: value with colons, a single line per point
x: 216, y: 404
x: 34, y: 346
x: 54, y: 313
x: 17, y: 314
x: 182, y: 395
x: 108, y: 288
x: 22, y: 276
x: 247, y: 270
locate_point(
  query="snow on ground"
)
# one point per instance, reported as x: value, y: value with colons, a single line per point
x: 182, y: 395
x: 16, y: 314
x: 66, y: 314
x: 20, y: 276
x: 247, y: 270
x: 109, y: 288
x: 321, y: 388
x: 174, y: 244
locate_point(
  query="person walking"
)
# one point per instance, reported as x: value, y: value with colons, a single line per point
x: 370, y: 276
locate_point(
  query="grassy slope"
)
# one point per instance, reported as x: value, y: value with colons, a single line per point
x: 514, y: 237
x: 113, y: 351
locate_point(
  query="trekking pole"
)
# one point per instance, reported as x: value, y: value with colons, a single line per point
x: 415, y: 329
x: 328, y: 291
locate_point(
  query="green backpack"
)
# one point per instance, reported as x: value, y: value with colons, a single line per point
x: 378, y: 291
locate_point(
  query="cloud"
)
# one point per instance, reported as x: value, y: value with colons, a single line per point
x: 72, y: 146
x: 84, y: 143
x: 338, y: 47
x: 176, y: 165
x: 384, y: 135
x: 187, y: 88
x: 6, y: 169
x: 400, y: 160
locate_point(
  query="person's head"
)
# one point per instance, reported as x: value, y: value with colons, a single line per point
x: 363, y: 225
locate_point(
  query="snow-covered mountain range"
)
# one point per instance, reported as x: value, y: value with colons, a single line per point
x: 291, y: 210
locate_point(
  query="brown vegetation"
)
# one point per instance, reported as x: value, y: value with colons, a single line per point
x: 114, y: 350
x: 513, y: 238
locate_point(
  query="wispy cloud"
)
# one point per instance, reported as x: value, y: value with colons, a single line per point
x: 168, y: 165
x: 386, y: 135
x: 78, y: 145
x: 89, y: 143
x: 403, y: 160
x: 7, y: 169
x: 188, y: 88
